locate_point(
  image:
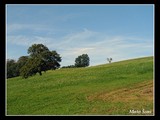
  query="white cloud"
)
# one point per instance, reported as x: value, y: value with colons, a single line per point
x: 17, y: 27
x: 27, y: 40
x: 79, y: 37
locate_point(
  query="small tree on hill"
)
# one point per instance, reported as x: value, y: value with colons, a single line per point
x: 82, y: 61
x: 109, y: 60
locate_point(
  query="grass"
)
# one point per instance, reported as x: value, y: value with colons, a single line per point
x: 109, y: 89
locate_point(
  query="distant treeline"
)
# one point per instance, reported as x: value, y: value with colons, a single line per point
x: 69, y: 66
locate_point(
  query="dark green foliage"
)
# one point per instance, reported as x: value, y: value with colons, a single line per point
x: 40, y: 59
x: 32, y: 66
x: 82, y: 61
x: 21, y: 62
x: 12, y: 68
x: 69, y: 66
x: 37, y: 50
x: 51, y: 59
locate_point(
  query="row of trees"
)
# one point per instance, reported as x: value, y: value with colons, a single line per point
x: 40, y: 59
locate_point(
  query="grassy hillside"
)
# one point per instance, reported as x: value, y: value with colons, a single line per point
x: 109, y: 89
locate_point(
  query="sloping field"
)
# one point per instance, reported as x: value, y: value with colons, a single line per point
x: 120, y: 88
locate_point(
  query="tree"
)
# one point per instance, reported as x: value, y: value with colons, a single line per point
x: 32, y: 66
x: 82, y: 61
x: 40, y: 59
x: 109, y: 60
x: 23, y: 59
x: 37, y: 50
x: 21, y: 62
x: 52, y: 59
x: 12, y: 68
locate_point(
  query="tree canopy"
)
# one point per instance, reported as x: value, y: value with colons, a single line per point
x: 82, y: 61
x: 40, y: 59
x: 12, y: 68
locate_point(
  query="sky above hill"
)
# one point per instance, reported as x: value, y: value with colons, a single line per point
x: 101, y: 31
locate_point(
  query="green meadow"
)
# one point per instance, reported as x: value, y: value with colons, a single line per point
x: 108, y: 89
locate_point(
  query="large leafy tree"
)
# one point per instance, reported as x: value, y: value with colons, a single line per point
x: 21, y: 62
x: 82, y: 61
x: 53, y: 59
x: 32, y: 66
x: 37, y: 50
x: 40, y: 59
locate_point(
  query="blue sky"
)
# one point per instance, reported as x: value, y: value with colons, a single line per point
x: 101, y: 31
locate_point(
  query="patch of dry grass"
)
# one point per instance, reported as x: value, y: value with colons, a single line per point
x: 140, y: 91
x: 137, y: 97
